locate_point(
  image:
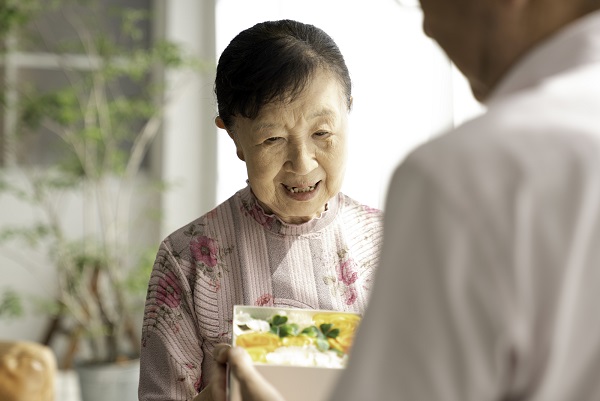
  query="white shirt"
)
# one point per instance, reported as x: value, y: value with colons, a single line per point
x: 489, y: 283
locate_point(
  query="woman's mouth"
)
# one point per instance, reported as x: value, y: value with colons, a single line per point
x: 296, y: 190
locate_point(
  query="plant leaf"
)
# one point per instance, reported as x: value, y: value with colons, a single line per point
x: 325, y: 327
x: 278, y: 320
x: 311, y: 331
x: 333, y: 333
x: 288, y: 330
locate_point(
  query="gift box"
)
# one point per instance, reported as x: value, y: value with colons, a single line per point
x: 301, y: 352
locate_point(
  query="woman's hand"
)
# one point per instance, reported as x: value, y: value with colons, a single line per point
x: 253, y: 386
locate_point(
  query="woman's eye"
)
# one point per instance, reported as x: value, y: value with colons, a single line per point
x: 322, y: 134
x: 272, y: 139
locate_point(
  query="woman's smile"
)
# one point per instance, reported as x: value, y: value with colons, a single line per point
x: 303, y: 193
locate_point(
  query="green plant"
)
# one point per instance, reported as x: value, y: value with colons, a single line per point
x: 105, y: 114
x: 10, y: 304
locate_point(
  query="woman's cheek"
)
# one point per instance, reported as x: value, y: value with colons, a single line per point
x: 266, y: 164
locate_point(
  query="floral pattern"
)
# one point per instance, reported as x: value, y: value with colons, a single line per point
x: 350, y: 295
x: 168, y: 292
x: 168, y: 296
x: 346, y: 278
x: 207, y: 254
x: 254, y: 210
x: 346, y: 273
x: 199, y: 267
x: 370, y: 210
x: 265, y: 300
x: 205, y: 250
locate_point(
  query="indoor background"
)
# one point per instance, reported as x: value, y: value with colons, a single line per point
x: 405, y: 92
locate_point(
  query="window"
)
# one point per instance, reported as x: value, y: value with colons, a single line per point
x: 35, y: 61
x: 405, y: 90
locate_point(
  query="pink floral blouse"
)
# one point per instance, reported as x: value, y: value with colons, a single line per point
x: 237, y: 254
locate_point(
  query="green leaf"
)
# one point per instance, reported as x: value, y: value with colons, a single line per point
x: 286, y: 330
x: 31, y: 235
x: 332, y: 333
x: 325, y: 327
x: 93, y: 133
x: 169, y: 53
x: 49, y: 307
x: 278, y: 320
x: 311, y: 331
x: 131, y: 22
x: 10, y: 304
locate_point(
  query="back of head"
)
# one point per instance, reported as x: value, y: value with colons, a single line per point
x: 485, y: 39
x: 273, y: 61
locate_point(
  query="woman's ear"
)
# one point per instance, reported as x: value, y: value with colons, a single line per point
x: 220, y: 124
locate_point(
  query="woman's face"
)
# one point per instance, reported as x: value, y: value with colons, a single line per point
x: 295, y: 152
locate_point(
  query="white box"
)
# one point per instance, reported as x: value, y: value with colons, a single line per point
x: 313, y: 374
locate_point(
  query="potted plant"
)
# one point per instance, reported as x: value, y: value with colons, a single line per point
x: 105, y: 113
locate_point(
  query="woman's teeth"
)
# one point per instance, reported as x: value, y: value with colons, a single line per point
x: 296, y: 190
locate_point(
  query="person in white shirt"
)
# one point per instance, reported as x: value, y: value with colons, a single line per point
x: 489, y: 279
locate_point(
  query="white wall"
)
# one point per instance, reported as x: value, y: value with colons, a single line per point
x: 189, y: 144
x: 27, y: 272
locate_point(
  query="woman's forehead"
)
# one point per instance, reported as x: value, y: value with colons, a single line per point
x: 323, y: 99
x: 278, y: 117
x: 290, y: 120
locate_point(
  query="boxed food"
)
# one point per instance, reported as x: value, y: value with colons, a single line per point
x: 300, y: 351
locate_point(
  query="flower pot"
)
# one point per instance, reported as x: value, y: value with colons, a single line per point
x: 109, y: 382
x: 67, y: 386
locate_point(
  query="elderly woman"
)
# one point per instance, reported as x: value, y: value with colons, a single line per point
x: 288, y: 239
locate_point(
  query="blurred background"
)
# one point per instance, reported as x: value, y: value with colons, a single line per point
x: 130, y: 88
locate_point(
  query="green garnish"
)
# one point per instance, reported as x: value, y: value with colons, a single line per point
x: 311, y: 331
x: 328, y: 331
x: 278, y: 320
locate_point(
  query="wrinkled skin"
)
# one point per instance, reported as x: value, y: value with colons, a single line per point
x: 297, y: 145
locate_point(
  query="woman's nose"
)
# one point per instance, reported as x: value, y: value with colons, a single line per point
x: 301, y: 159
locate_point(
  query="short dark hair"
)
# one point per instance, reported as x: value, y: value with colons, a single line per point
x: 274, y: 61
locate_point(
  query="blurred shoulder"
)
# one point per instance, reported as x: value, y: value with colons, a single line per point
x: 515, y: 135
x: 515, y: 145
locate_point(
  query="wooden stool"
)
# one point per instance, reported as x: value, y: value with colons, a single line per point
x: 27, y: 371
